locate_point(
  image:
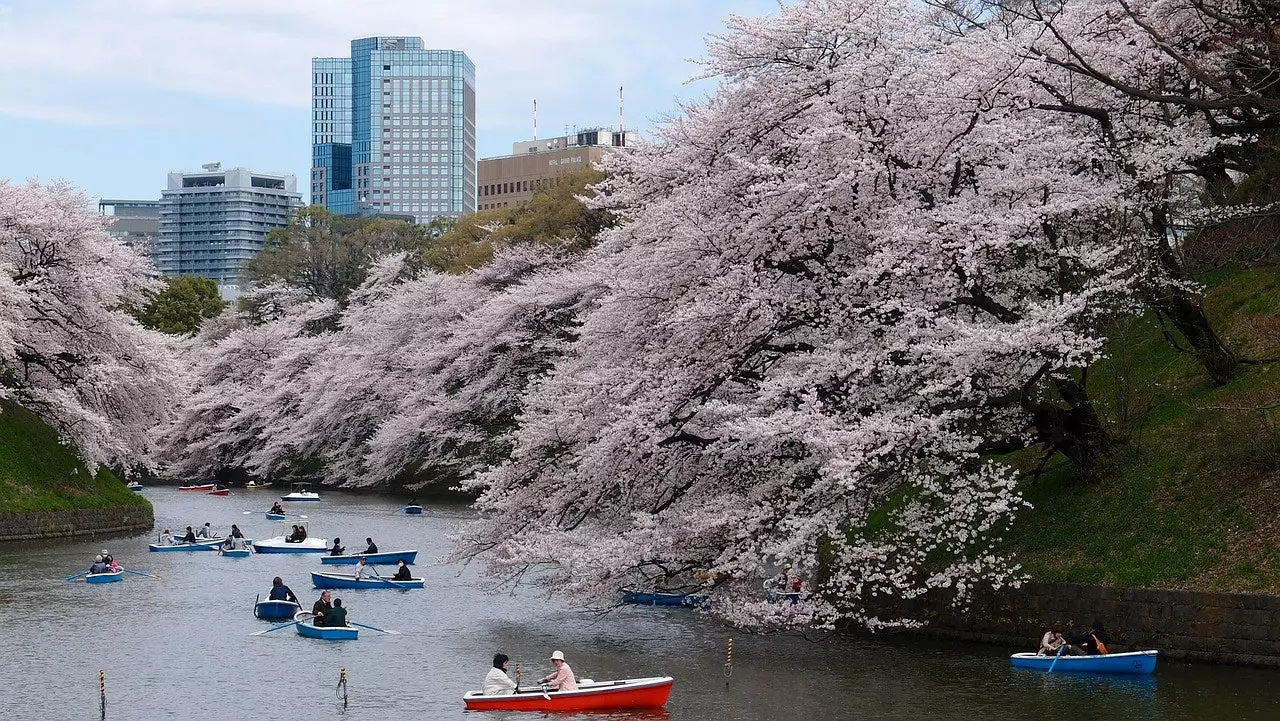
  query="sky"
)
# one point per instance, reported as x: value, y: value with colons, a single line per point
x: 111, y: 95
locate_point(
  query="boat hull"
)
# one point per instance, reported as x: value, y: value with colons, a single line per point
x: 301, y: 497
x: 634, y: 693
x: 275, y: 610
x: 413, y: 510
x: 279, y: 545
x: 1134, y: 662
x: 389, y: 558
x: 237, y: 553
x: 202, y: 487
x: 329, y: 633
x: 657, y: 598
x: 223, y: 492
x: 275, y: 516
x: 104, y: 577
x: 251, y: 484
x: 165, y: 548
x: 135, y: 487
x: 342, y: 580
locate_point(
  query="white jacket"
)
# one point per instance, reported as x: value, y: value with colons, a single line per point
x: 497, y: 683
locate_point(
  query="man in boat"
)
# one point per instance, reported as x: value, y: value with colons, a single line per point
x: 276, y: 508
x: 337, y: 615
x: 498, y: 683
x: 190, y: 537
x: 281, y: 592
x: 563, y: 678
x: 364, y: 569
x: 296, y: 536
x: 402, y: 572
x: 321, y: 608
x: 98, y: 566
x: 337, y: 549
x: 205, y: 531
x: 235, y: 540
x: 373, y: 547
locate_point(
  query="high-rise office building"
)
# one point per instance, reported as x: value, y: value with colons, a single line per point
x: 512, y: 179
x: 393, y: 130
x: 136, y: 222
x: 213, y: 222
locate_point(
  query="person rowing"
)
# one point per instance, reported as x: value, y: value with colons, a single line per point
x: 281, y: 592
x: 276, y: 509
x: 190, y: 537
x: 205, y: 531
x: 363, y: 569
x: 337, y: 549
x: 562, y: 679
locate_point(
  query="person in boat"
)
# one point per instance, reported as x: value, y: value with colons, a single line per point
x: 338, y: 549
x: 190, y: 537
x: 302, y: 533
x: 363, y: 569
x: 562, y: 679
x: 281, y: 592
x: 235, y: 539
x: 1053, y: 640
x: 167, y: 537
x: 111, y: 563
x: 1096, y: 644
x: 498, y: 683
x: 276, y: 508
x: 372, y: 548
x: 205, y: 531
x: 337, y: 616
x: 295, y: 536
x: 321, y: 608
x: 98, y: 566
x: 402, y: 572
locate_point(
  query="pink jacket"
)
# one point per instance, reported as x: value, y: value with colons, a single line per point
x: 563, y: 679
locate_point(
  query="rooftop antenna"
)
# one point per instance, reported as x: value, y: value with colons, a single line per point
x: 212, y: 167
x: 535, y: 118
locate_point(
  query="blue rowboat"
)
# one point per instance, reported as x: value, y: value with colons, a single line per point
x: 1131, y: 662
x: 275, y: 610
x: 344, y: 580
x: 275, y: 516
x: 277, y: 544
x: 660, y: 598
x: 135, y: 486
x: 104, y: 577
x: 413, y: 510
x: 330, y: 633
x: 210, y: 544
x: 235, y: 553
x: 390, y: 558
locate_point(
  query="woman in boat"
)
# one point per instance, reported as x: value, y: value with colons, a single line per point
x: 110, y: 561
x: 302, y: 533
x: 235, y: 541
x: 337, y: 549
x: 373, y: 547
x: 276, y: 508
x: 190, y: 537
x: 402, y: 574
x: 562, y: 679
x: 337, y: 615
x: 321, y: 608
x: 281, y: 592
x: 167, y: 537
x: 294, y: 536
x: 498, y: 683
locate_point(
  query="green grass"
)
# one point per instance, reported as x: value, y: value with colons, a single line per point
x: 37, y: 473
x: 1191, y: 500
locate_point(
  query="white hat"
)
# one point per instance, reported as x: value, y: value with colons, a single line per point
x: 104, y: 551
x: 557, y: 656
x: 786, y: 565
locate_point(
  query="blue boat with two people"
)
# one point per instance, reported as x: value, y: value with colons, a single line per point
x: 388, y: 558
x: 661, y: 598
x: 346, y: 580
x: 1139, y: 662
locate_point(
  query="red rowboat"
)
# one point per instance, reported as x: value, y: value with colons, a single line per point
x: 221, y: 492
x: 628, y: 693
x: 203, y: 487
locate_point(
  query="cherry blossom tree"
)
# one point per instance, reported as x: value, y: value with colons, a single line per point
x: 68, y: 350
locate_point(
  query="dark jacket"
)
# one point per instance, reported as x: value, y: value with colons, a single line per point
x: 373, y: 548
x: 403, y: 574
x: 338, y: 550
x: 190, y: 537
x: 282, y: 593
x: 321, y: 609
x: 337, y: 616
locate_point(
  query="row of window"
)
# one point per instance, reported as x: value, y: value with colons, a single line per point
x: 519, y: 186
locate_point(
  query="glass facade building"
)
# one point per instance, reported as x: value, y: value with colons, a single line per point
x: 394, y: 131
x: 213, y: 222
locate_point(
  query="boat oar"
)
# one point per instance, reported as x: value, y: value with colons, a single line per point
x: 140, y: 573
x: 374, y: 628
x: 276, y: 628
x: 78, y: 575
x: 1056, y: 656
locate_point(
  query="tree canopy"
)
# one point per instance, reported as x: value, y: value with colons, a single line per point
x: 182, y: 306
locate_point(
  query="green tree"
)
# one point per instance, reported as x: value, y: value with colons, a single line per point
x: 185, y: 303
x: 329, y: 255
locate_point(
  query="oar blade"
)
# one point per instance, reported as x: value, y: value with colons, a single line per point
x: 275, y: 628
x: 75, y: 576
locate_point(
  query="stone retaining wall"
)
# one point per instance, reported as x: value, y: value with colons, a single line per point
x: 83, y: 522
x: 1186, y: 625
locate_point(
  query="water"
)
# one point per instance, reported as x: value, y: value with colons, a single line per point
x: 180, y: 647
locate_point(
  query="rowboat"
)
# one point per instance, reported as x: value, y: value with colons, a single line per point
x: 275, y: 610
x: 1131, y: 662
x: 201, y: 487
x: 110, y: 577
x: 277, y: 544
x: 255, y: 484
x: 275, y: 516
x: 299, y: 492
x: 346, y: 580
x: 413, y: 510
x: 204, y: 544
x: 389, y: 558
x: 661, y: 598
x: 220, y: 492
x: 134, y: 486
x: 235, y: 552
x: 330, y: 633
x: 631, y: 693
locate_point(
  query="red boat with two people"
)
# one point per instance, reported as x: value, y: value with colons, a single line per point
x: 201, y: 487
x: 630, y: 693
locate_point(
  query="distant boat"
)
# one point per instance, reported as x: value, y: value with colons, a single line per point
x: 134, y: 486
x: 110, y: 577
x: 330, y: 633
x: 631, y: 693
x: 388, y: 558
x: 661, y: 598
x: 255, y: 484
x: 200, y: 487
x: 1126, y: 663
x: 220, y: 492
x: 275, y: 610
x: 346, y: 580
x: 299, y: 492
x: 277, y: 544
x: 413, y: 510
x: 275, y: 516
x: 236, y: 552
x: 204, y: 544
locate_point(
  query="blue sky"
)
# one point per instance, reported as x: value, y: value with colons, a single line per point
x: 111, y: 95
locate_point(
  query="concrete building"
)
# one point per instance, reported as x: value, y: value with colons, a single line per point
x: 512, y: 179
x: 214, y: 221
x: 393, y: 130
x: 136, y: 222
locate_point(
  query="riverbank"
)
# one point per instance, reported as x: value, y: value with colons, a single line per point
x: 47, y: 492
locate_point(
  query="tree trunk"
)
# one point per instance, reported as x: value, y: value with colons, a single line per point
x: 1075, y: 430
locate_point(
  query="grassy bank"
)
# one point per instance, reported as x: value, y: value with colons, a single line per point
x: 37, y: 473
x: 1191, y: 502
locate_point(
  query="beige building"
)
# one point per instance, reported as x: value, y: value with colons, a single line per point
x: 511, y: 179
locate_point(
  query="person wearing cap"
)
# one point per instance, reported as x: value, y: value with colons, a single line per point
x: 498, y: 683
x: 206, y: 531
x: 563, y: 678
x: 98, y: 566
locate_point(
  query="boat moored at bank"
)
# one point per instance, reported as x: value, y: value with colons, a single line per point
x: 631, y: 693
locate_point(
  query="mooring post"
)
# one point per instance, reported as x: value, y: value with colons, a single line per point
x: 728, y: 663
x: 102, y: 691
x: 342, y: 685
